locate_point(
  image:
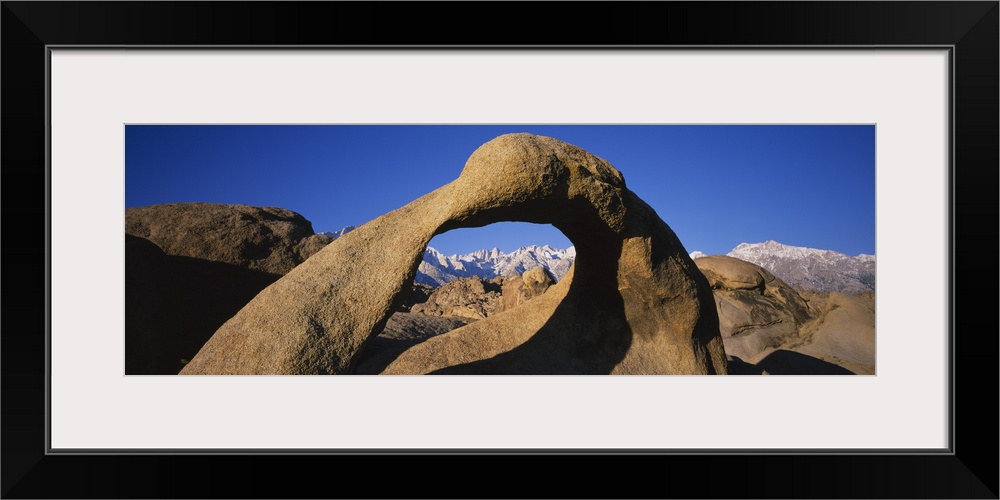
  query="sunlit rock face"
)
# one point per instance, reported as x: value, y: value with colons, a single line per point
x: 756, y: 310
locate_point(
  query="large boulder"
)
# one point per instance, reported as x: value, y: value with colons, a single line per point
x: 633, y: 303
x: 267, y: 239
x: 757, y: 311
x: 189, y: 267
x: 524, y: 287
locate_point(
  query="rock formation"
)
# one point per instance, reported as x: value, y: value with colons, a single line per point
x: 768, y: 327
x: 189, y: 267
x: 268, y: 239
x: 756, y: 309
x: 520, y: 289
x: 402, y: 331
x: 633, y: 303
x: 469, y: 298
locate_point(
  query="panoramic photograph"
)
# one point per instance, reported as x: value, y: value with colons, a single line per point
x: 500, y: 250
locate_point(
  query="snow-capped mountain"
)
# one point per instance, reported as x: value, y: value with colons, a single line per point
x: 811, y: 268
x: 338, y: 234
x: 437, y: 269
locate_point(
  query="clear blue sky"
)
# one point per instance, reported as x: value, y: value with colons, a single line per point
x: 716, y: 186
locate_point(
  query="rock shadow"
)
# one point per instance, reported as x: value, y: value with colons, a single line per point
x: 784, y: 362
x: 380, y: 352
x: 174, y: 304
x: 739, y: 367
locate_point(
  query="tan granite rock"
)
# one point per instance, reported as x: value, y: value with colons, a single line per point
x: 757, y: 311
x: 524, y: 287
x: 470, y: 298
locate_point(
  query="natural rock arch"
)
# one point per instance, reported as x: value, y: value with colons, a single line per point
x: 634, y: 301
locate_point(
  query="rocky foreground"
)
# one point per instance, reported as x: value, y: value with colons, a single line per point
x: 189, y: 267
x: 236, y: 289
x: 176, y: 302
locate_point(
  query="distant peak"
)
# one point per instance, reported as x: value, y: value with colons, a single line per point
x: 775, y: 247
x: 340, y: 232
x: 811, y: 268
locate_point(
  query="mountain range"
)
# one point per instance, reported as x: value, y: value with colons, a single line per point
x: 437, y: 269
x: 338, y: 234
x: 809, y: 268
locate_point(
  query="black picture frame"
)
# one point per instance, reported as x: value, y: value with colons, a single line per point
x: 970, y: 470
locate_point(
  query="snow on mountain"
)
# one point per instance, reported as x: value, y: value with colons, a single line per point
x: 437, y: 269
x: 811, y: 268
x: 338, y: 234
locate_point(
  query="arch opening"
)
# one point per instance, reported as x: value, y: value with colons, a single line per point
x: 496, y: 250
x: 466, y: 275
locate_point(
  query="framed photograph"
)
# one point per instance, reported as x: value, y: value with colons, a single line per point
x: 125, y: 105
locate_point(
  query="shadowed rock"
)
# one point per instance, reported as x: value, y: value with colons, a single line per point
x: 634, y: 303
x: 148, y: 284
x: 782, y: 362
x: 189, y: 267
x: 418, y: 295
